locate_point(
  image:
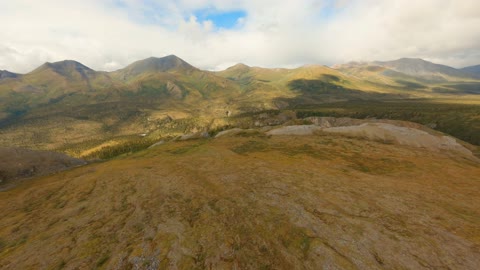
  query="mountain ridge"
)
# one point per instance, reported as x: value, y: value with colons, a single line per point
x: 167, y: 96
x: 170, y: 63
x: 474, y: 70
x: 5, y: 74
x: 420, y: 67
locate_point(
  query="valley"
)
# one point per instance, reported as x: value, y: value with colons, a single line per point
x: 66, y: 106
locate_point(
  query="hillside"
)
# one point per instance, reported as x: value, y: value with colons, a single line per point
x: 251, y: 201
x: 18, y: 163
x: 421, y: 68
x: 473, y: 70
x: 5, y: 74
x: 416, y: 77
x: 169, y: 63
x: 67, y: 106
x: 68, y: 103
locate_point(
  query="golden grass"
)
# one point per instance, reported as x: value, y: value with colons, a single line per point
x: 250, y: 202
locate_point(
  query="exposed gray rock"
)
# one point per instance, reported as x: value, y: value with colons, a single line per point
x: 295, y: 130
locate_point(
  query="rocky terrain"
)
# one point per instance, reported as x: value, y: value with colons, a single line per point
x: 387, y: 131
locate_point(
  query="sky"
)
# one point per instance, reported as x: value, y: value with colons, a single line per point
x: 215, y: 34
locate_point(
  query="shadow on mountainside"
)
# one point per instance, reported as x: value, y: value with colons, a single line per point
x: 327, y: 90
x: 18, y: 163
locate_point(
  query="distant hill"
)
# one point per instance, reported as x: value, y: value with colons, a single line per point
x: 421, y: 68
x: 65, y: 68
x: 67, y: 102
x: 4, y: 74
x: 415, y: 76
x: 70, y: 73
x: 169, y: 63
x: 473, y: 70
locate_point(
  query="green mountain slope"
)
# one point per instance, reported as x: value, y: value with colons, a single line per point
x: 68, y: 103
x: 169, y: 63
x: 69, y: 107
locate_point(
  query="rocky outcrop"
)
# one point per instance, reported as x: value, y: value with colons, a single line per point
x: 401, y: 135
x: 388, y: 131
x: 295, y: 130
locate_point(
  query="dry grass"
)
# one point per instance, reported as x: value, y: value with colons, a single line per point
x: 251, y: 203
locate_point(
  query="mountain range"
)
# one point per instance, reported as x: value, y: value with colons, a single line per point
x: 68, y: 103
x: 409, y: 66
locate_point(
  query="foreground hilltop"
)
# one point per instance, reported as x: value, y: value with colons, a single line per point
x: 303, y: 196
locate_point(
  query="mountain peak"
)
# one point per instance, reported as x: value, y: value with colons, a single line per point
x: 63, y: 67
x: 155, y: 64
x: 420, y: 67
x: 411, y: 59
x: 238, y: 66
x: 4, y: 74
x: 405, y: 61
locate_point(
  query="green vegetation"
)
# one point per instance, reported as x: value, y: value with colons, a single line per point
x: 411, y: 85
x: 123, y: 147
x: 467, y: 88
x: 250, y: 146
x: 321, y: 91
x: 318, y: 87
x: 68, y: 107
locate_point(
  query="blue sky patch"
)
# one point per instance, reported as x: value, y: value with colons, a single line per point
x: 330, y: 10
x: 226, y: 20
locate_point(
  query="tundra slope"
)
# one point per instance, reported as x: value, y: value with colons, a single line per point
x: 248, y: 200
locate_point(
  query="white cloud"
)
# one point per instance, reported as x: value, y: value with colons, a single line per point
x: 109, y: 34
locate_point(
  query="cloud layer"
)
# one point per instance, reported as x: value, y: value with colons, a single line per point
x: 109, y: 34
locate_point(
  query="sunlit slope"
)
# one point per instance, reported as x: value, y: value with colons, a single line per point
x: 281, y: 78
x: 279, y: 88
x: 65, y: 104
x: 154, y: 80
x: 250, y: 202
x: 76, y: 106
